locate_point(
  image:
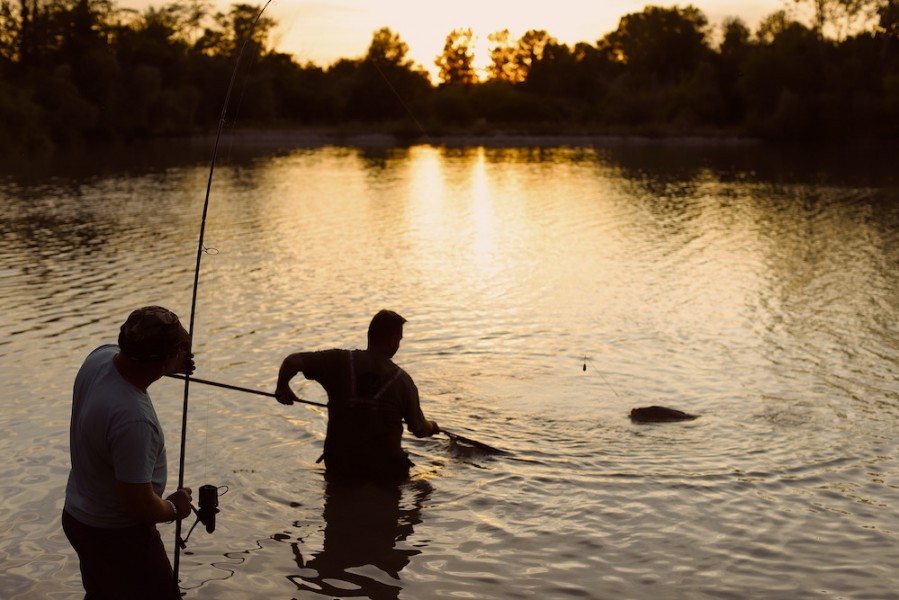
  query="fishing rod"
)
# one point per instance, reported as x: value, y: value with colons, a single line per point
x: 452, y: 436
x: 237, y: 388
x: 201, y: 249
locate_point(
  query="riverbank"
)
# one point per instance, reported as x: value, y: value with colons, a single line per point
x: 386, y: 137
x: 858, y: 161
x: 365, y: 136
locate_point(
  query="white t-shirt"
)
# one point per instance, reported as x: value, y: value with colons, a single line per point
x: 115, y: 436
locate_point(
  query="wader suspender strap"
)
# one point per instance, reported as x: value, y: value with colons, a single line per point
x: 383, y: 389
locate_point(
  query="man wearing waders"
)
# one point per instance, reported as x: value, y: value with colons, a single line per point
x: 369, y: 398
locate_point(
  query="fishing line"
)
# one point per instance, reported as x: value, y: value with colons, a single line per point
x: 243, y: 89
x: 399, y: 97
x: 202, y: 249
x: 598, y: 372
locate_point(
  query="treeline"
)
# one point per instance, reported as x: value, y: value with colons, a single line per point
x: 77, y: 71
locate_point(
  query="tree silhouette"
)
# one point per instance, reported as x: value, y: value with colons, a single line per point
x: 888, y: 18
x: 840, y: 18
x: 386, y: 83
x: 10, y: 35
x: 735, y: 48
x: 388, y: 50
x: 83, y: 71
x: 235, y: 27
x: 456, y: 61
x: 780, y: 79
x: 502, y: 57
x: 664, y: 45
x: 529, y: 50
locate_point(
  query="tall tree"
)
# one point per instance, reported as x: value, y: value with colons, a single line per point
x: 553, y: 72
x: 87, y: 26
x: 160, y: 37
x: 512, y: 62
x: 887, y: 17
x: 782, y: 79
x: 771, y: 26
x: 28, y: 35
x: 838, y: 18
x: 387, y: 48
x: 10, y: 32
x: 233, y: 28
x: 456, y: 63
x: 385, y: 83
x: 736, y: 46
x: 530, y: 49
x: 502, y: 57
x: 40, y: 29
x: 663, y: 44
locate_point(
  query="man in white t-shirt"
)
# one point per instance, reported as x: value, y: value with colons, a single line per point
x: 114, y: 495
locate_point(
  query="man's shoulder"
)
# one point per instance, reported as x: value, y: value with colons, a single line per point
x: 406, y: 379
x: 329, y: 354
x: 105, y: 349
x: 100, y: 355
x: 321, y: 361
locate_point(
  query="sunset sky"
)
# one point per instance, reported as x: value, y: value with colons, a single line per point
x: 323, y: 31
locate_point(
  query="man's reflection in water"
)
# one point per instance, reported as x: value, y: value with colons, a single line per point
x: 363, y: 523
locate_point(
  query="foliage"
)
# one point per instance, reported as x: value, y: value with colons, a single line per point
x: 647, y: 42
x: 502, y: 57
x: 82, y: 71
x: 384, y: 84
x: 456, y: 64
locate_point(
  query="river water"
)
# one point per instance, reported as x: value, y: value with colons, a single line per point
x: 548, y: 290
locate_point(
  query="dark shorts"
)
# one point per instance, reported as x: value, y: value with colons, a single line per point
x: 124, y: 563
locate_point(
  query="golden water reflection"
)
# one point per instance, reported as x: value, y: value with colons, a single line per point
x: 726, y: 286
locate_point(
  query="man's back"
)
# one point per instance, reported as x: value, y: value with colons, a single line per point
x: 369, y: 397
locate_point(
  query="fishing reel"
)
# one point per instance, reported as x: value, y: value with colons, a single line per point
x: 209, y: 507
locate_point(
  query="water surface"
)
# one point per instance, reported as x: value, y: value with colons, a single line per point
x: 549, y: 290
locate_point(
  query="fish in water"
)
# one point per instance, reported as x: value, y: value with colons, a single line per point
x: 659, y: 414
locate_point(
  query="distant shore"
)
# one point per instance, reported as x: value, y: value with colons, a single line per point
x: 374, y: 138
x: 378, y: 138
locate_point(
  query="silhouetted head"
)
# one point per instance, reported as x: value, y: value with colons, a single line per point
x: 385, y: 332
x: 152, y: 334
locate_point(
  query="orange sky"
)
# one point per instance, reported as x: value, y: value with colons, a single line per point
x: 323, y: 31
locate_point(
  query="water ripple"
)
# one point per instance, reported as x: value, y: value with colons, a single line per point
x: 548, y: 292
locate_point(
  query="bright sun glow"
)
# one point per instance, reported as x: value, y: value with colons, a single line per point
x: 323, y: 31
